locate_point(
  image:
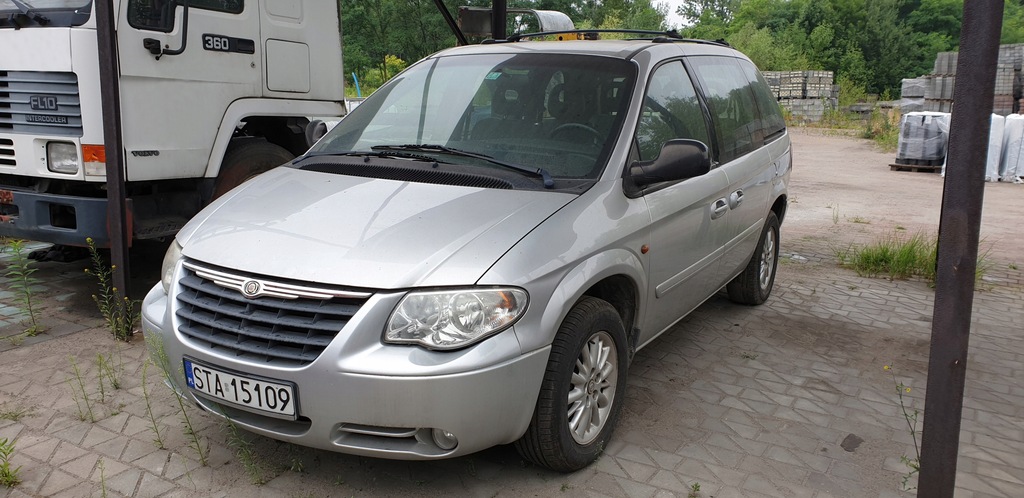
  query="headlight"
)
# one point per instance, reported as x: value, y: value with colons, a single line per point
x: 167, y: 267
x: 454, y: 319
x: 62, y: 157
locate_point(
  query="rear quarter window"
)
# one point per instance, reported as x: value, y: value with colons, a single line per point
x: 737, y: 122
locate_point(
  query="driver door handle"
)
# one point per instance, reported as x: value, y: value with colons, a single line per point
x: 735, y: 199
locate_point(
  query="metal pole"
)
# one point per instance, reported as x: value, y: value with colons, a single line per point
x: 454, y: 26
x: 110, y: 94
x: 959, y: 228
x: 499, y: 18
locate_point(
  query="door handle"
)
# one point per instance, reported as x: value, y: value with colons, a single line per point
x: 719, y: 209
x: 735, y: 199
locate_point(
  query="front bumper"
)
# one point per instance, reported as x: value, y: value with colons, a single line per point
x: 366, y: 398
x: 59, y: 219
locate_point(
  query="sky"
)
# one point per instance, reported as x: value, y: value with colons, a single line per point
x: 672, y: 18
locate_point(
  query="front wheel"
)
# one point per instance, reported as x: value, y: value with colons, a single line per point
x: 582, y: 392
x: 754, y: 285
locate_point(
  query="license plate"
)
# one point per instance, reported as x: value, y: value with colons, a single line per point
x: 262, y: 395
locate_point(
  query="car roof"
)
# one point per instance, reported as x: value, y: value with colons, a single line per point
x: 620, y: 49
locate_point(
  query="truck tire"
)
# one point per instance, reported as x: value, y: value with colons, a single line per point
x: 246, y: 158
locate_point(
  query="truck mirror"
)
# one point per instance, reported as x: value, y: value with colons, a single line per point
x: 315, y: 130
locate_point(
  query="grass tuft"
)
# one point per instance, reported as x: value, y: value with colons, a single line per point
x: 899, y: 256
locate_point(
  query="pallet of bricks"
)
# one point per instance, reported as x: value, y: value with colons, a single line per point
x: 805, y: 94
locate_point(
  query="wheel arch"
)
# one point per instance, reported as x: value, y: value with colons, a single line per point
x: 779, y: 207
x: 272, y: 119
x: 616, y: 276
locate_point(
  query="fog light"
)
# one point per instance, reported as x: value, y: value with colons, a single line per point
x: 445, y: 440
x: 62, y: 157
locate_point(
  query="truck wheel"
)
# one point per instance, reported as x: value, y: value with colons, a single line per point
x: 246, y: 158
x: 754, y: 285
x: 582, y: 392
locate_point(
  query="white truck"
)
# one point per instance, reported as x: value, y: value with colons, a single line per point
x: 212, y: 92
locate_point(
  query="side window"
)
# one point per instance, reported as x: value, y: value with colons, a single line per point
x: 158, y: 15
x: 731, y: 101
x: 771, y: 114
x: 670, y: 110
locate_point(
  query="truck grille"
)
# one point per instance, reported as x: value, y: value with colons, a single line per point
x: 44, y: 103
x: 7, y: 152
x: 289, y: 325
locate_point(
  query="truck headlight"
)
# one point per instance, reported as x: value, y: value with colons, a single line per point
x: 62, y: 157
x: 171, y: 258
x: 455, y: 318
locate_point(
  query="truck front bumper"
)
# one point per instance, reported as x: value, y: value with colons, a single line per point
x: 59, y: 219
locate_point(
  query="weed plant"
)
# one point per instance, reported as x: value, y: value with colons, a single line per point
x: 79, y: 393
x: 14, y: 414
x: 8, y: 474
x: 118, y: 311
x: 913, y: 463
x: 157, y: 440
x: 246, y: 454
x: 20, y: 272
x: 884, y: 129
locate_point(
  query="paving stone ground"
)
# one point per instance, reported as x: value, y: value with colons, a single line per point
x: 788, y: 399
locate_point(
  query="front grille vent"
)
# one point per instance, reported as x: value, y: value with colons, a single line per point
x: 289, y: 325
x: 7, y: 152
x: 45, y: 103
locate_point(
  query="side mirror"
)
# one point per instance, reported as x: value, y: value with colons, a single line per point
x: 679, y: 159
x: 315, y: 130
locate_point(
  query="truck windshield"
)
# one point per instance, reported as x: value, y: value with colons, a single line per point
x: 559, y: 113
x: 33, y: 13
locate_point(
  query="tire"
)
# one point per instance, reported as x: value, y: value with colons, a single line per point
x: 754, y: 285
x: 591, y: 329
x: 246, y: 158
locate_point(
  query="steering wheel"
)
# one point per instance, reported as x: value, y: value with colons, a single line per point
x: 563, y: 128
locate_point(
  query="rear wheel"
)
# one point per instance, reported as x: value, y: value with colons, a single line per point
x: 754, y: 285
x: 246, y: 158
x: 583, y: 389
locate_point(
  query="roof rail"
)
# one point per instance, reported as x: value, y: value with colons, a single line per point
x: 656, y: 36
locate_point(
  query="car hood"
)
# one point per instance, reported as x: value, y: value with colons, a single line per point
x: 364, y: 232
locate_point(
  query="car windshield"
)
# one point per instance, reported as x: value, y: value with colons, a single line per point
x: 58, y: 13
x: 557, y: 113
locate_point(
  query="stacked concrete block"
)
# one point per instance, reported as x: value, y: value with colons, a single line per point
x: 818, y: 84
x: 938, y: 86
x: 912, y: 91
x: 805, y: 94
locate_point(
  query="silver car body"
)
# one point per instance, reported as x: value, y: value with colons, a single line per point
x: 670, y: 249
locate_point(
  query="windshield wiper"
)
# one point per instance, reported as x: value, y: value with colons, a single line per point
x: 26, y: 11
x: 368, y: 154
x: 541, y: 172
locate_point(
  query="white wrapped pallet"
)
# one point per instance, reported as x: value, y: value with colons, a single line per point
x: 995, y: 148
x: 923, y: 136
x: 1012, y: 164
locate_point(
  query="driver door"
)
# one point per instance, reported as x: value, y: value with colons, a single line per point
x: 172, y: 105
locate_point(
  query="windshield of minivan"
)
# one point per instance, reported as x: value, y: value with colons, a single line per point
x: 560, y: 113
x: 51, y: 13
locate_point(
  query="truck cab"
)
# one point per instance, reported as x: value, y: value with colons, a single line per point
x: 212, y: 93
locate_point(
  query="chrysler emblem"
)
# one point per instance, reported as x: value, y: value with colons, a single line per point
x: 251, y: 288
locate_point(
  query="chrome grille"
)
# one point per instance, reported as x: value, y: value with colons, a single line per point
x: 17, y: 90
x: 279, y: 330
x: 7, y: 152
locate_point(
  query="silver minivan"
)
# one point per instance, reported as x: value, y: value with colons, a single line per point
x: 474, y: 254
